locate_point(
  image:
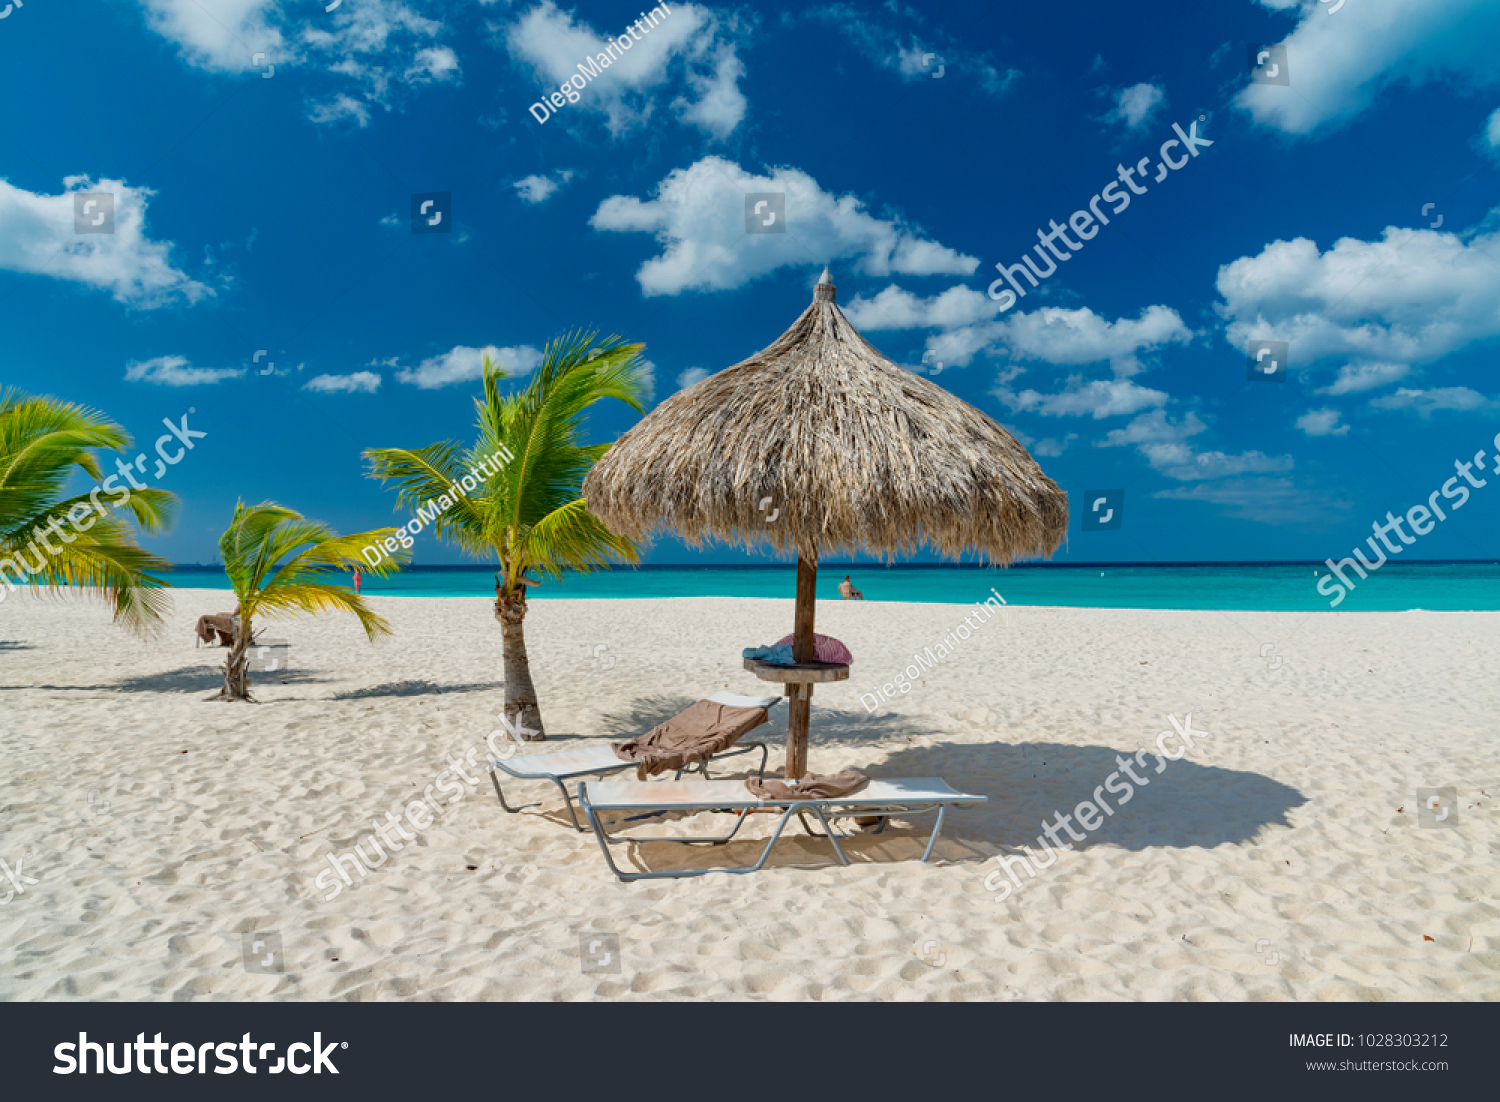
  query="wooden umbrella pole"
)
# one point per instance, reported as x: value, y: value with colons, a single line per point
x: 799, y: 694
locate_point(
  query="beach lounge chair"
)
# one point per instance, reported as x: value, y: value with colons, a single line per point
x: 879, y: 798
x: 598, y: 759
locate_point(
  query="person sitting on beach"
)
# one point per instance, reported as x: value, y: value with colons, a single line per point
x: 848, y: 592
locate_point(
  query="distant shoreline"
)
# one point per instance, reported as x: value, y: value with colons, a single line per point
x: 825, y: 599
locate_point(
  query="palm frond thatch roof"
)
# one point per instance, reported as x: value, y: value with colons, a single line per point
x: 852, y: 451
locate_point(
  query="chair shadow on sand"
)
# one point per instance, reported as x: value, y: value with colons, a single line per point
x: 1186, y: 805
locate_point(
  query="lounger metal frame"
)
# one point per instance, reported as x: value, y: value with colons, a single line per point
x: 559, y: 778
x: 822, y: 810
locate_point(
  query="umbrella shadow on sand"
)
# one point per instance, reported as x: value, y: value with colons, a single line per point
x: 1028, y: 783
x: 1186, y: 805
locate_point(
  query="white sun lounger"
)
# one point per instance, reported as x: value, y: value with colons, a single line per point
x: 598, y: 759
x: 879, y: 798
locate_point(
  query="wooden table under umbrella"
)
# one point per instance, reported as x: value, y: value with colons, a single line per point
x: 820, y: 443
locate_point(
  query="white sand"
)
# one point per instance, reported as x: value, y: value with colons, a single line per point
x: 1282, y: 859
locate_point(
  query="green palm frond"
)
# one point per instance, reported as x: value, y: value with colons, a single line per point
x: 106, y: 560
x: 572, y: 538
x: 43, y: 444
x: 425, y: 476
x: 291, y: 599
x: 281, y: 564
x: 530, y: 512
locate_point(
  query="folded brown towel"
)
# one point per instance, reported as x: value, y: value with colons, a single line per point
x: 705, y: 729
x: 220, y: 627
x: 809, y: 788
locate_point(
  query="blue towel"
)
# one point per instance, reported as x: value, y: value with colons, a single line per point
x: 776, y: 656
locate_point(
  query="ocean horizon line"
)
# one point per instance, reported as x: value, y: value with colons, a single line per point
x: 1471, y: 585
x: 623, y: 567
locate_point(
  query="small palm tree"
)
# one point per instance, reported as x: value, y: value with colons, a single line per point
x: 527, y: 510
x: 281, y: 566
x: 42, y: 443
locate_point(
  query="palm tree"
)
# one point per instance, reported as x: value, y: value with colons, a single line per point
x: 516, y: 494
x: 281, y: 565
x: 43, y: 441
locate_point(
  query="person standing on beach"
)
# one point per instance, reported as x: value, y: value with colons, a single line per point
x: 357, y: 577
x: 848, y: 592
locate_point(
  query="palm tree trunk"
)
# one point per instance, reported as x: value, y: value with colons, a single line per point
x: 522, y: 715
x: 237, y: 665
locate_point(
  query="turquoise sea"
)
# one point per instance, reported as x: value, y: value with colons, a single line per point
x: 1265, y: 586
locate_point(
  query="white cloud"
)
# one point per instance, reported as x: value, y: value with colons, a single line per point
x: 218, y: 34
x: 1411, y: 297
x: 1339, y: 66
x: 1137, y: 105
x: 692, y: 41
x: 1275, y: 501
x: 377, y: 44
x: 647, y: 371
x: 1322, y: 422
x: 538, y: 189
x: 691, y: 376
x: 433, y: 65
x: 1051, y: 334
x: 368, y: 27
x: 896, y: 308
x: 462, y: 364
x: 1058, y: 336
x: 719, y: 105
x: 366, y: 382
x: 1153, y: 428
x: 698, y: 215
x: 535, y: 189
x: 1427, y: 402
x: 1207, y: 465
x: 339, y: 107
x: 1098, y: 398
x: 1491, y: 137
x: 1164, y: 445
x: 886, y: 45
x: 1051, y: 447
x: 1353, y: 378
x: 958, y: 347
x: 37, y: 236
x: 177, y: 371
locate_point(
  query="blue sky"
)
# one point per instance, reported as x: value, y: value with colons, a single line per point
x: 262, y: 156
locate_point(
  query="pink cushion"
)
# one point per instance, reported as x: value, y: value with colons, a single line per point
x: 826, y: 649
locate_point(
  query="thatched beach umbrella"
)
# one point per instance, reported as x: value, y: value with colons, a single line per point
x: 820, y: 443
